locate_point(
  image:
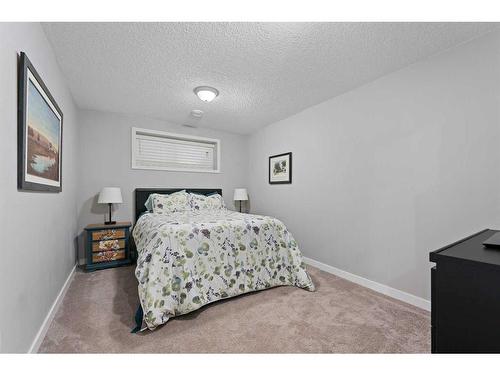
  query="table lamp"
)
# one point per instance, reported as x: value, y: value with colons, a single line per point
x: 110, y: 195
x: 240, y: 195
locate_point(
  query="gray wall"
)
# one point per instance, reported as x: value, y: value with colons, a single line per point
x: 37, y: 229
x: 105, y: 159
x: 387, y: 172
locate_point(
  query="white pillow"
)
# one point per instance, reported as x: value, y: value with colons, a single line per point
x: 175, y: 202
x: 203, y: 202
x: 149, y: 202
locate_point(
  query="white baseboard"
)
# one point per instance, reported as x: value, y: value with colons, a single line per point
x: 50, y: 315
x: 381, y: 288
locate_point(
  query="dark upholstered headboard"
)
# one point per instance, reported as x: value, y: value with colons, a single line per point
x: 142, y: 194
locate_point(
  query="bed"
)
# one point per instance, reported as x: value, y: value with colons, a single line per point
x: 188, y: 259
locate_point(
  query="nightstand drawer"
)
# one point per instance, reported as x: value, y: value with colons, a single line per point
x: 107, y: 245
x: 107, y: 256
x: 108, y: 234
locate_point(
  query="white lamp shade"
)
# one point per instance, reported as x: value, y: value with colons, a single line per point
x: 240, y: 194
x: 110, y: 195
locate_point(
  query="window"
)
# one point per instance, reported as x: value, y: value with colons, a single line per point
x: 153, y: 149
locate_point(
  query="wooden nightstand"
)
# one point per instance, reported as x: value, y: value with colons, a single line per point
x: 107, y: 245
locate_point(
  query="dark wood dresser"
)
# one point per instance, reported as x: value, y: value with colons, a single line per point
x: 465, y: 297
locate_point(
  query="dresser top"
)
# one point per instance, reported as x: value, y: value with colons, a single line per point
x: 119, y: 224
x: 470, y: 248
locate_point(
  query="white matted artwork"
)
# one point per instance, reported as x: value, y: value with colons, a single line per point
x: 280, y: 168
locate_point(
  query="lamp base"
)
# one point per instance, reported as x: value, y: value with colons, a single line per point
x: 109, y: 222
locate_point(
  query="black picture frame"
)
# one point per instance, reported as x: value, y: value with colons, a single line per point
x: 288, y: 156
x: 45, y: 180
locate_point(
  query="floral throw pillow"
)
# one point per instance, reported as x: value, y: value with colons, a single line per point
x: 204, y: 203
x: 166, y: 204
x: 149, y: 202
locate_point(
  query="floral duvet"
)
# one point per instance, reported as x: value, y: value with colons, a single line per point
x: 189, y: 259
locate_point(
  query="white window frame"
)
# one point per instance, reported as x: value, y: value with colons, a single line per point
x: 177, y: 136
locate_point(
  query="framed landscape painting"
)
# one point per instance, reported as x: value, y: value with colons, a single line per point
x: 280, y: 169
x: 40, y: 123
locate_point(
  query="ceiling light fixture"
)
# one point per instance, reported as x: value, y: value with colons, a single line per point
x: 206, y: 93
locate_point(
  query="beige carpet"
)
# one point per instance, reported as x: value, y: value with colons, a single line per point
x: 340, y: 317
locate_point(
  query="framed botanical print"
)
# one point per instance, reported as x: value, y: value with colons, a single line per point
x: 40, y: 124
x: 280, y: 169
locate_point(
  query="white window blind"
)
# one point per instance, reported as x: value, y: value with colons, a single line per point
x: 152, y: 149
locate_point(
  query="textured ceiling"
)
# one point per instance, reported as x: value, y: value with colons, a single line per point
x: 264, y: 71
